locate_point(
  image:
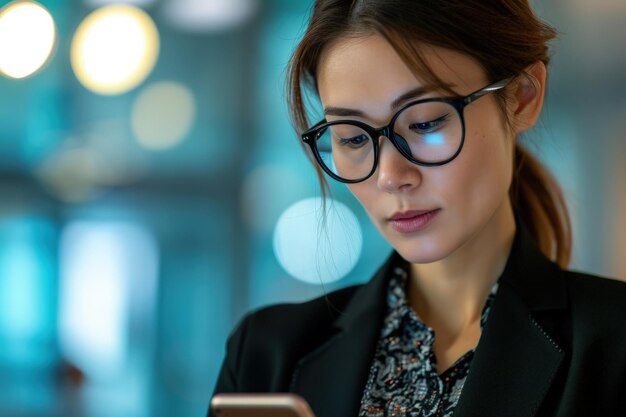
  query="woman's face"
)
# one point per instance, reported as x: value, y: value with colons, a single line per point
x: 469, y: 193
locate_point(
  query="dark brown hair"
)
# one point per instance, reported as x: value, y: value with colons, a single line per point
x: 504, y: 36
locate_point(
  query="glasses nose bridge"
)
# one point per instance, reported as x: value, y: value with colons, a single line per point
x: 384, y: 131
x: 387, y: 131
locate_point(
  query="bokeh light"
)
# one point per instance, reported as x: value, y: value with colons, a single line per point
x: 27, y: 37
x: 265, y: 193
x: 21, y: 300
x: 71, y: 174
x: 100, y: 3
x: 318, y: 247
x: 23, y: 272
x: 114, y: 49
x: 100, y: 264
x: 209, y: 16
x: 162, y: 115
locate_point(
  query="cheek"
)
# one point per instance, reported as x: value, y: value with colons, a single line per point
x: 478, y: 181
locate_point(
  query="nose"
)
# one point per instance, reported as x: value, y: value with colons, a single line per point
x: 395, y: 172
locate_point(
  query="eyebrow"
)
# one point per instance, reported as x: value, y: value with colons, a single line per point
x: 395, y: 104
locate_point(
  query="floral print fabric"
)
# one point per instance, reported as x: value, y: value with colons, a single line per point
x: 403, y: 379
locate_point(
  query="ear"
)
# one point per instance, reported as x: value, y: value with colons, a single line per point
x: 527, y: 98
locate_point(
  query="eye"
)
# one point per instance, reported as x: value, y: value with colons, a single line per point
x: 354, y: 142
x: 430, y: 126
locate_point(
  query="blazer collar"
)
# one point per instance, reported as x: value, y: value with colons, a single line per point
x: 513, y: 365
x: 332, y: 376
x: 517, y: 359
x: 370, y: 299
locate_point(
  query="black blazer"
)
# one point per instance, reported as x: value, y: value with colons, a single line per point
x: 554, y: 345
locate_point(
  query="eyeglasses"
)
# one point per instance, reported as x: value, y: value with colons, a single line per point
x: 427, y: 132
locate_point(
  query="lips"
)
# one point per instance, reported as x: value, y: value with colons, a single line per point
x: 412, y: 221
x: 408, y: 214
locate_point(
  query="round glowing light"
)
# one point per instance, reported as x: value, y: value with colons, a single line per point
x: 27, y: 36
x: 315, y: 251
x: 114, y: 49
x: 100, y: 3
x: 209, y: 15
x: 162, y: 115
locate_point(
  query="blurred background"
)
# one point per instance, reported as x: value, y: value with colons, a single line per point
x: 152, y: 190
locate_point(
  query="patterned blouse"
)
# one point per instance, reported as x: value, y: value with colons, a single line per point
x: 403, y: 379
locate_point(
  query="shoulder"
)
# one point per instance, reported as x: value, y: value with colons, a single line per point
x: 287, y: 326
x: 280, y: 320
x: 596, y: 303
x: 595, y: 289
x: 267, y: 342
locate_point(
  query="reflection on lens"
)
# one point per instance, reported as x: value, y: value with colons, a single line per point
x: 431, y: 131
x: 435, y: 139
x: 347, y: 151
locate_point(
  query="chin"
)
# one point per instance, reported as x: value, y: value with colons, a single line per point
x: 419, y: 252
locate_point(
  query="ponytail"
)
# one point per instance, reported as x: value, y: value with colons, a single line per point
x: 538, y: 202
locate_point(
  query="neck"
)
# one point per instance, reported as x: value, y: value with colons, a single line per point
x: 451, y: 292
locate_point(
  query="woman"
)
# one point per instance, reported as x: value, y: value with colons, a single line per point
x: 474, y: 313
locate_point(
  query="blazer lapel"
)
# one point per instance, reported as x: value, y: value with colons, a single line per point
x: 339, y: 368
x: 516, y: 359
x: 513, y: 366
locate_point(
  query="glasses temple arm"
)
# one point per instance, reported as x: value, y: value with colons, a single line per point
x: 486, y: 90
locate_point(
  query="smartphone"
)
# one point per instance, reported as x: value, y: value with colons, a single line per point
x: 260, y: 405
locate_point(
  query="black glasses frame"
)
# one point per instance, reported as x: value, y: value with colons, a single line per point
x: 311, y: 135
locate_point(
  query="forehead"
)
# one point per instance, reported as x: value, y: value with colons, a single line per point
x: 367, y: 73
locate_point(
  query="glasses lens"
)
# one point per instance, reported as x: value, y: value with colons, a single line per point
x: 346, y: 150
x: 429, y: 132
